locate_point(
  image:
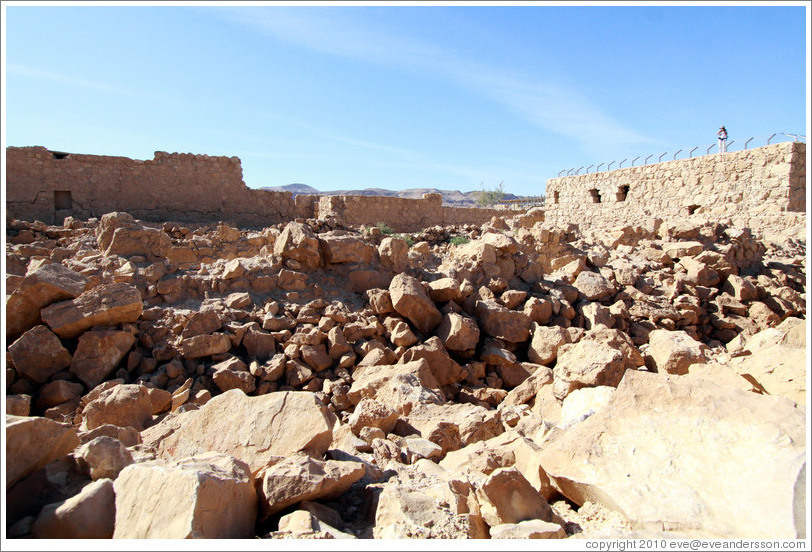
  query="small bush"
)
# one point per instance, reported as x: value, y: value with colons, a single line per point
x: 385, y: 229
x: 408, y: 239
x: 459, y: 240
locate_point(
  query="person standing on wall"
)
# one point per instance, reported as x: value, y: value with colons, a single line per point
x: 722, y: 134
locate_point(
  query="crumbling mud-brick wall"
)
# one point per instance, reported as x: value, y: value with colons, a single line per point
x: 48, y: 186
x: 762, y: 188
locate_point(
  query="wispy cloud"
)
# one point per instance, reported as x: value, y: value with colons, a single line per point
x: 552, y: 106
x: 32, y: 72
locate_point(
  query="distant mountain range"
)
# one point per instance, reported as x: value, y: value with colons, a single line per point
x: 451, y: 198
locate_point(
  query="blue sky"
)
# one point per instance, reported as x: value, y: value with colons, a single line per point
x: 440, y: 96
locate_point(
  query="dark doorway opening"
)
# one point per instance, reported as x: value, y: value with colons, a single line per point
x: 62, y: 200
x: 622, y: 192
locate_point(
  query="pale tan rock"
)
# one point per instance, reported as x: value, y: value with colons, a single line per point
x: 676, y: 250
x: 98, y: 354
x: 394, y: 253
x: 38, y: 354
x: 90, y: 514
x: 161, y: 399
x: 380, y: 301
x: 32, y: 442
x: 698, y: 273
x: 740, y: 288
x: 298, y: 242
x: 644, y: 455
x: 453, y: 425
x: 529, y: 388
x: 121, y: 405
x: 584, y: 402
x: 409, y: 299
x: 399, y: 332
x: 205, y: 345
x: 593, y: 286
x: 529, y: 529
x: 546, y: 342
x: 400, y: 387
x: 337, y: 343
x: 39, y: 288
x: 259, y: 344
x: 207, y: 496
x: 103, y: 305
x: 252, y: 429
x: 338, y: 248
x: 540, y: 310
x: 444, y: 290
x: 458, y: 332
x: 587, y: 364
x: 371, y: 413
x: 507, y: 497
x: 303, y: 521
x: 119, y: 233
x: 444, y: 368
x: 300, y: 477
x: 674, y: 351
x: 103, y: 457
x: 497, y: 321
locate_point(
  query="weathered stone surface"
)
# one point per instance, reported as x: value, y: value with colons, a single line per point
x: 103, y: 457
x: 209, y: 496
x: 91, y: 514
x: 399, y: 387
x: 338, y: 249
x: 98, y: 354
x: 18, y: 405
x: 104, y: 305
x: 587, y: 364
x: 680, y: 249
x: 125, y: 405
x: 497, y: 321
x: 205, y: 345
x: 39, y: 288
x: 58, y: 392
x: 119, y: 233
x: 584, y: 402
x: 394, y: 253
x: 259, y: 344
x: 507, y: 497
x: 253, y: 429
x: 529, y: 529
x: 593, y: 286
x: 646, y: 453
x: 546, y: 342
x: 409, y: 299
x: 444, y: 290
x: 203, y: 322
x: 32, y: 442
x: 233, y: 374
x: 371, y: 413
x: 399, y: 332
x: 301, y: 478
x: 298, y: 242
x: 674, y: 351
x: 444, y: 368
x: 458, y: 332
x: 38, y: 354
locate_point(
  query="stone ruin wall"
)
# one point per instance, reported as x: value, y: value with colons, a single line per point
x: 48, y: 186
x: 763, y: 189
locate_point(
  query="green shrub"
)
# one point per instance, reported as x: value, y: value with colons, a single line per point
x: 459, y: 240
x: 408, y: 239
x: 489, y: 198
x: 385, y: 229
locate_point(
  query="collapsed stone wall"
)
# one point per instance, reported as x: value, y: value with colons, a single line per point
x: 763, y: 189
x: 48, y: 186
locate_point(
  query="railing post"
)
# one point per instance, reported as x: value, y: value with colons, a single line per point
x: 635, y: 159
x: 729, y: 143
x: 609, y: 166
x: 692, y: 151
x: 747, y: 142
x: 620, y: 166
x: 589, y: 167
x: 661, y: 156
x: 770, y: 138
x: 675, y: 155
x: 647, y: 158
x: 579, y: 169
x: 560, y: 173
x: 598, y: 168
x: 709, y: 148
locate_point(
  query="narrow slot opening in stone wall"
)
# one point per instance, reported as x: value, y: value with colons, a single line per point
x: 62, y: 200
x: 555, y: 197
x: 622, y: 192
x: 595, y: 195
x: 692, y: 209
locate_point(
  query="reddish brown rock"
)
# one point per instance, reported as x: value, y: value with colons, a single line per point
x: 98, y: 354
x: 497, y: 321
x: 38, y: 354
x: 458, y: 332
x: 410, y: 300
x: 121, y: 405
x: 104, y: 305
x: 32, y: 442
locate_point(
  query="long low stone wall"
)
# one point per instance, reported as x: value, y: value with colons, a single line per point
x: 48, y: 186
x: 763, y: 189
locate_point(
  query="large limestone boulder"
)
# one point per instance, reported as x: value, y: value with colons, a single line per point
x: 500, y: 322
x: 674, y: 351
x: 399, y: 387
x: 104, y: 305
x: 458, y: 332
x: 90, y: 514
x: 119, y: 233
x: 507, y: 497
x: 684, y: 454
x: 546, y: 342
x: 338, y: 248
x: 205, y: 345
x: 394, y: 254
x: 98, y: 353
x: 33, y: 442
x: 529, y: 529
x: 298, y: 242
x: 252, y: 429
x: 38, y: 354
x: 444, y: 368
x: 42, y: 285
x: 300, y: 478
x: 210, y: 496
x: 410, y: 300
x: 126, y: 405
x: 593, y: 286
x: 587, y: 364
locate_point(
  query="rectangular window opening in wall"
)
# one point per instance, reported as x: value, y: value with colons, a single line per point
x: 555, y: 197
x: 692, y: 209
x: 59, y: 154
x: 595, y: 195
x: 622, y: 192
x: 62, y: 200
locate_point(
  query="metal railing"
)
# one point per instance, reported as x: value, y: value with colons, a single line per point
x: 521, y: 203
x: 769, y: 139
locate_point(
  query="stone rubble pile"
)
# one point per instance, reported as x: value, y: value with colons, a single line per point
x: 510, y: 380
